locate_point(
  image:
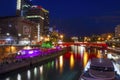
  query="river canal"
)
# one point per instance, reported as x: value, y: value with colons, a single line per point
x: 65, y: 67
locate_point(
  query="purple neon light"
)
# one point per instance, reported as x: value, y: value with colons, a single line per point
x: 28, y: 53
x: 24, y: 53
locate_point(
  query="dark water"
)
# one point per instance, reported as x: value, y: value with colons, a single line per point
x: 65, y: 67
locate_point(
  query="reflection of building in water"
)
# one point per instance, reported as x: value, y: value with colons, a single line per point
x: 83, y: 54
x: 78, y: 49
x: 74, y: 48
x: 56, y: 64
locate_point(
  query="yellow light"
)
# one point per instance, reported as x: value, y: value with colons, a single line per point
x: 13, y: 49
x: 99, y: 38
x: 27, y: 47
x: 47, y: 39
x: 61, y: 36
x: 45, y: 10
x: 109, y: 36
x: 41, y: 38
x: 85, y: 59
x: 72, y: 61
x: 113, y: 46
x: 61, y: 63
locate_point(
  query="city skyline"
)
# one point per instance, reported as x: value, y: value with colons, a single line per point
x: 75, y: 18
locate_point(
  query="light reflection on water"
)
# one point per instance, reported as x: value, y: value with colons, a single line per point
x: 56, y: 61
x: 61, y: 63
x: 60, y: 68
x: 19, y: 77
x: 41, y: 70
x: 7, y: 78
x: 41, y: 73
x: 28, y: 74
x: 72, y: 61
x: 35, y: 71
x: 85, y: 59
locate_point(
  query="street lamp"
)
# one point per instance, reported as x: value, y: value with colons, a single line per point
x: 19, y: 34
x: 109, y: 37
x: 7, y: 34
x: 61, y: 36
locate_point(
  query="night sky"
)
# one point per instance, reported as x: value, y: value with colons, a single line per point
x: 75, y: 17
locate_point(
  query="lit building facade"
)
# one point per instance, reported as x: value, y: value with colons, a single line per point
x: 22, y: 6
x: 36, y: 14
x: 40, y: 16
x: 18, y: 29
x: 26, y: 31
x: 24, y: 26
x: 117, y: 31
x: 7, y: 25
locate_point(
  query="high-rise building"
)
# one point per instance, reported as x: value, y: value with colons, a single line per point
x: 41, y: 17
x: 117, y: 31
x: 22, y: 6
x: 36, y: 14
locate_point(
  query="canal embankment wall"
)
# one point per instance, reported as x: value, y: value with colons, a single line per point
x: 6, y: 68
x: 6, y: 50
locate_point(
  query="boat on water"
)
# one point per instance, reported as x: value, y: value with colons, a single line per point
x: 100, y: 69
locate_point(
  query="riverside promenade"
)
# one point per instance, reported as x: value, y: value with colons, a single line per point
x: 15, y: 64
